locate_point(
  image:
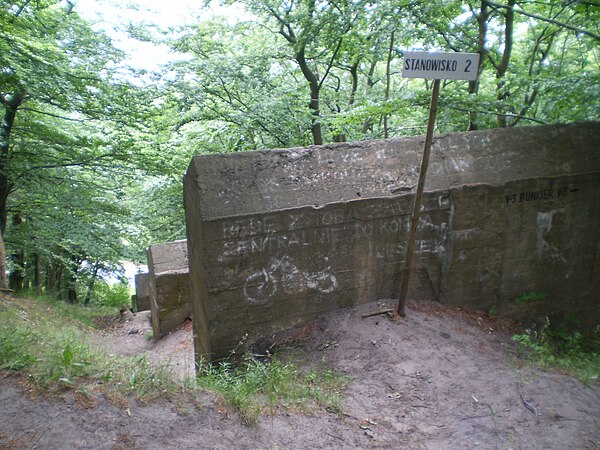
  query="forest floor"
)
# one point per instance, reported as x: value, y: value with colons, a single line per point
x: 441, y: 378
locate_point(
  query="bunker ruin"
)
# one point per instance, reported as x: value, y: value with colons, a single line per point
x: 278, y: 237
x: 168, y: 277
x: 142, y: 292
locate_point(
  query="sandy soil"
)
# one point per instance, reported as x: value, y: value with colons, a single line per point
x: 441, y: 378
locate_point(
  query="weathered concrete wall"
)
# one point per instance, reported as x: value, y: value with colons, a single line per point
x: 278, y: 237
x: 142, y: 291
x: 169, y: 286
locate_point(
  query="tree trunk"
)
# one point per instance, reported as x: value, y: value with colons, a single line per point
x: 482, y: 23
x: 388, y: 82
x: 72, y: 279
x: 502, y: 91
x: 3, y: 283
x: 53, y: 276
x: 368, y: 123
x: 15, y: 278
x: 72, y: 291
x: 11, y: 103
x: 90, y: 287
x: 37, y: 273
x: 315, y: 89
x: 72, y: 287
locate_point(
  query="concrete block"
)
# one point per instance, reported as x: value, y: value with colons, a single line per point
x: 278, y: 237
x: 142, y: 291
x: 168, y: 276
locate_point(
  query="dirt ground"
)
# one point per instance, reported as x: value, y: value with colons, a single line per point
x: 441, y: 378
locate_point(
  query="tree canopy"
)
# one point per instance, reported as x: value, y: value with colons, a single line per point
x: 92, y: 154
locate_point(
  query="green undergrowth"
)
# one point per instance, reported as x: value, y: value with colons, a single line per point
x: 50, y: 344
x: 254, y: 388
x: 61, y: 310
x: 549, y: 347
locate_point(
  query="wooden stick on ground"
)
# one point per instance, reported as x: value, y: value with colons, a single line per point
x: 529, y: 406
x: 378, y: 313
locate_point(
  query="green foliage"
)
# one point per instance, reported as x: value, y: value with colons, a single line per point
x: 93, y: 152
x: 14, y: 348
x: 557, y: 348
x: 114, y: 295
x: 527, y: 297
x: 254, y: 387
x: 47, y: 341
x: 231, y: 102
x: 60, y: 311
x: 72, y: 362
x: 70, y: 125
x: 144, y: 380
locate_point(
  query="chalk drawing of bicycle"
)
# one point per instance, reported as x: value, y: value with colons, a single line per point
x: 283, y: 274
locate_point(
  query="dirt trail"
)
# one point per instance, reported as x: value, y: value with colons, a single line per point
x: 438, y: 379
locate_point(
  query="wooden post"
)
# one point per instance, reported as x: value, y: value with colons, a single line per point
x: 414, y: 222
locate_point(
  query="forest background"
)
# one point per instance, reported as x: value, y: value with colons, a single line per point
x: 92, y: 150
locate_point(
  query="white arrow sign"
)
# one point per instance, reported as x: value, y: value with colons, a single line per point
x: 440, y: 65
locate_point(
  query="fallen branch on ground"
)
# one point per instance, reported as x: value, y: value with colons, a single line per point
x: 529, y: 406
x: 378, y: 313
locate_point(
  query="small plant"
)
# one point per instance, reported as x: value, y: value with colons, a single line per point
x: 71, y: 363
x: 63, y: 355
x: 145, y: 381
x: 48, y: 341
x: 529, y: 297
x: 15, y: 346
x: 254, y: 387
x: 556, y: 348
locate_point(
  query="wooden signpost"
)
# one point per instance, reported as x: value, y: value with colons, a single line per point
x: 437, y: 66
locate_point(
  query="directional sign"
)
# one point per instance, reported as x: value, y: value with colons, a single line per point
x: 441, y: 65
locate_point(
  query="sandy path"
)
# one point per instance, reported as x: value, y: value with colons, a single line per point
x: 438, y: 379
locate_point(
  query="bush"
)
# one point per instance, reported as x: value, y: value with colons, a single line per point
x: 557, y: 348
x: 115, y: 294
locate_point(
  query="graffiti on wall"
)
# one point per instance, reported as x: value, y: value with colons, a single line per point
x: 284, y: 275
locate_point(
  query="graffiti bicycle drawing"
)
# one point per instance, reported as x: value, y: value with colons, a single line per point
x: 283, y: 274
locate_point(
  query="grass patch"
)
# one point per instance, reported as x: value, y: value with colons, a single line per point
x: 49, y: 343
x: 557, y: 348
x: 14, y: 348
x: 60, y: 310
x: 530, y: 297
x: 254, y: 387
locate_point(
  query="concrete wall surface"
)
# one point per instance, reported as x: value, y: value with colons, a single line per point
x: 278, y: 237
x: 142, y: 291
x: 168, y: 276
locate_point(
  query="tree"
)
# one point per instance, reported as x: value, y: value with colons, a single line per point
x: 231, y: 95
x: 70, y: 127
x: 91, y: 163
x: 517, y: 44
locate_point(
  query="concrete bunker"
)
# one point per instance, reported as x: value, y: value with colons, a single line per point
x: 278, y: 237
x: 142, y: 292
x: 168, y: 280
